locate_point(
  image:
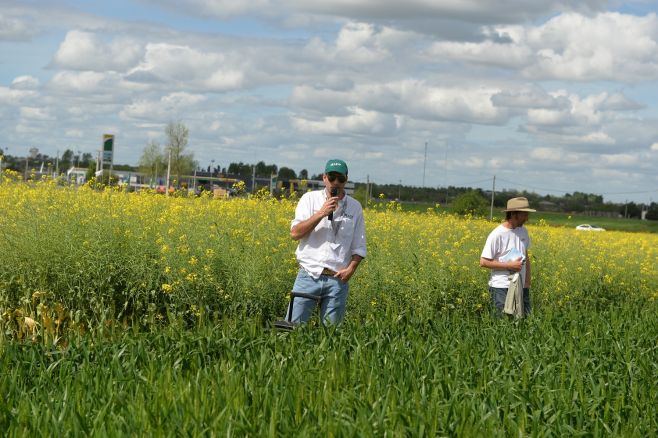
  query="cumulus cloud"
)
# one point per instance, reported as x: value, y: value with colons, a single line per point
x: 569, y: 46
x: 34, y: 113
x: 14, y: 96
x: 359, y: 122
x: 167, y: 63
x: 529, y: 97
x: 166, y: 108
x: 416, y: 99
x: 25, y: 83
x: 13, y: 28
x: 81, y: 82
x: 82, y: 50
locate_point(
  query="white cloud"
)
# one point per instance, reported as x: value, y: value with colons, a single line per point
x: 225, y: 80
x: 189, y: 67
x: 166, y: 108
x: 488, y: 52
x: 34, y: 113
x: 548, y: 117
x: 620, y: 159
x: 569, y: 46
x: 15, y: 96
x: 25, y: 83
x: 359, y: 122
x: 12, y: 28
x: 547, y: 154
x: 529, y: 97
x: 608, y: 46
x: 360, y: 43
x: 82, y: 50
x: 408, y: 161
x: 654, y: 147
x: 596, y: 138
x: 81, y: 82
x: 75, y: 133
x: 473, y: 163
x: 415, y: 99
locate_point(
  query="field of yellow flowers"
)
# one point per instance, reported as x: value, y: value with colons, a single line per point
x: 159, y: 306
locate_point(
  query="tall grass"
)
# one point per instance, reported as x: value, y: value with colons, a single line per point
x: 573, y: 373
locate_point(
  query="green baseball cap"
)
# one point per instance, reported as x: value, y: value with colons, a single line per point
x: 337, y: 166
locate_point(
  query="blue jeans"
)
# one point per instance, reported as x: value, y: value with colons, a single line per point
x: 498, y: 295
x: 332, y: 306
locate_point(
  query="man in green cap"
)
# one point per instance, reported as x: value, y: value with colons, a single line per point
x: 506, y: 252
x: 331, y: 232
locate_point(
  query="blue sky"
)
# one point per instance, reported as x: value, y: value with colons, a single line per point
x: 554, y: 96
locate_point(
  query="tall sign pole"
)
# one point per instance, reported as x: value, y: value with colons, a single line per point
x: 168, y: 170
x: 493, y: 194
x: 424, y: 164
x: 108, y: 153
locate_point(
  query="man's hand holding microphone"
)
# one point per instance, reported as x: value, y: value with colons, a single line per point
x: 332, y: 203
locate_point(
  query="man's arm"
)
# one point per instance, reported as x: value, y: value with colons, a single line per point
x: 527, y: 272
x: 345, y: 274
x: 358, y: 249
x: 303, y: 228
x: 513, y: 265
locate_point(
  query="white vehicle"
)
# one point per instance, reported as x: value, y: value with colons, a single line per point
x: 588, y: 227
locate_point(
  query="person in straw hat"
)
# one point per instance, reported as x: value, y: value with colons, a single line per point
x: 506, y: 252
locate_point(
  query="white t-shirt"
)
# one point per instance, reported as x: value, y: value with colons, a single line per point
x: 504, y: 244
x: 331, y: 244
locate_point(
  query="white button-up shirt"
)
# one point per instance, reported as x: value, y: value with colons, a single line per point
x: 332, y: 243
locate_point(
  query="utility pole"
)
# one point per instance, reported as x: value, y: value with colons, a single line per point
x: 445, y: 175
x: 493, y: 191
x: 212, y: 169
x: 168, y: 171
x: 399, y: 190
x: 424, y: 164
x: 253, y: 178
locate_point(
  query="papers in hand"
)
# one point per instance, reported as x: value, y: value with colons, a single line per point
x: 512, y: 255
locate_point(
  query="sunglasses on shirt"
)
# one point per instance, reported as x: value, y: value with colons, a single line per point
x: 333, y: 177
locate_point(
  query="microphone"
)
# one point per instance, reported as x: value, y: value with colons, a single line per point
x: 334, y: 193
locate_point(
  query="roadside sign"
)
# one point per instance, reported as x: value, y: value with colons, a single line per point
x: 108, y: 148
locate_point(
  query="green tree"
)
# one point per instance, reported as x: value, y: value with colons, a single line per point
x: 471, y: 202
x: 652, y: 212
x: 303, y: 174
x: 66, y: 161
x: 265, y: 170
x: 87, y: 159
x: 152, y: 162
x: 287, y: 173
x: 181, y: 162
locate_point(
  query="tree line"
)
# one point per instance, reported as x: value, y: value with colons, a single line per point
x: 155, y: 161
x: 576, y: 202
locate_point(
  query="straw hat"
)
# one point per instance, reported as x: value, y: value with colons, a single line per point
x: 518, y: 204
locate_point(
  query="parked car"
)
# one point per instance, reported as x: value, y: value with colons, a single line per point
x: 588, y: 227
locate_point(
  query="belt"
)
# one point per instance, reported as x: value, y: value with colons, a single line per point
x: 328, y: 272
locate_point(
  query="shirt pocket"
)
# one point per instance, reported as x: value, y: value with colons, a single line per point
x: 345, y: 231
